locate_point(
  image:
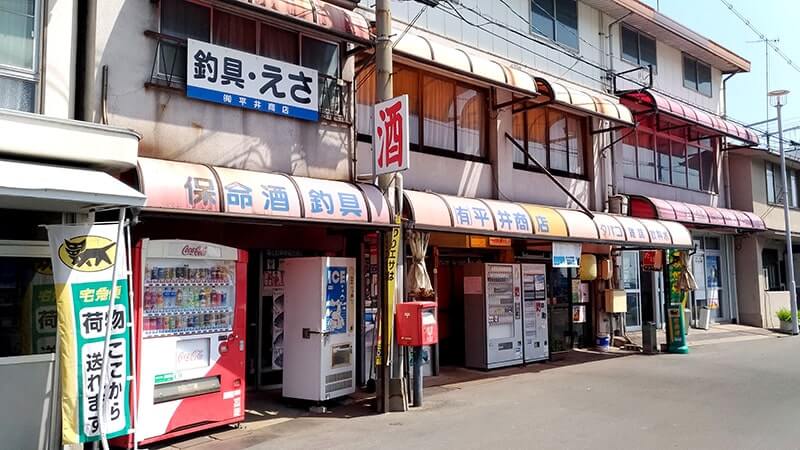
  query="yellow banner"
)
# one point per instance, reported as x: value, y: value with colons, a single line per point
x: 393, y: 248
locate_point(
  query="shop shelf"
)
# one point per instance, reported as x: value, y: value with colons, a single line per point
x: 186, y: 311
x: 186, y: 332
x: 187, y: 283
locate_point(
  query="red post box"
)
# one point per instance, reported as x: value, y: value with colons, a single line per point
x: 416, y: 324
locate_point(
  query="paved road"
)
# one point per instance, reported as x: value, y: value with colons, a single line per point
x: 743, y: 395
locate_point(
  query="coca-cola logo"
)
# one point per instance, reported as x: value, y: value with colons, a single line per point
x: 187, y: 357
x: 194, y: 250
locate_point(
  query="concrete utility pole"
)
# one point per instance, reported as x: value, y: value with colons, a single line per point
x: 391, y: 389
x: 778, y: 99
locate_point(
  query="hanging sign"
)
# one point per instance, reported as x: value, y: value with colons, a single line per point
x: 652, y: 260
x: 566, y: 254
x: 244, y: 80
x: 390, y: 136
x: 83, y: 259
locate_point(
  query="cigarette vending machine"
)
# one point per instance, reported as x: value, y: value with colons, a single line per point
x: 190, y: 318
x: 319, y: 328
x: 534, y: 312
x: 492, y: 315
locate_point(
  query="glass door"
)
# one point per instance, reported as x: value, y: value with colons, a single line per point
x: 631, y: 282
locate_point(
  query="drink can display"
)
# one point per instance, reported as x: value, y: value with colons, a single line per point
x: 171, y: 273
x: 181, y: 322
x: 162, y: 273
x: 172, y: 324
x: 223, y: 297
x: 154, y: 273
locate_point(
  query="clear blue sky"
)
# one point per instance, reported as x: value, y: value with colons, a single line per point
x: 776, y: 19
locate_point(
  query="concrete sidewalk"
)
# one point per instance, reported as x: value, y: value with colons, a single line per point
x: 716, y: 334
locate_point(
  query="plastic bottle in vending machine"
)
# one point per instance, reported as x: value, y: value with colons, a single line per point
x: 179, y: 298
x: 159, y: 298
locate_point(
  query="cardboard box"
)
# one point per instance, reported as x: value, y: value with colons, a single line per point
x: 616, y: 301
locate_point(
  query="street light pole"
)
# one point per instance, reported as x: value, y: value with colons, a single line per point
x: 778, y: 100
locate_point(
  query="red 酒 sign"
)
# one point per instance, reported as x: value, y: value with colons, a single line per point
x: 390, y: 136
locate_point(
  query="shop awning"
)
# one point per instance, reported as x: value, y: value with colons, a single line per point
x: 547, y: 89
x: 66, y: 189
x: 446, y: 213
x: 319, y: 13
x: 699, y: 215
x: 186, y: 187
x: 704, y: 123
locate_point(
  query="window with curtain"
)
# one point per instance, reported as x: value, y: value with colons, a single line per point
x: 234, y: 31
x: 320, y: 55
x: 19, y: 44
x: 184, y: 20
x: 557, y: 122
x: 280, y: 44
x: 438, y: 110
x: 518, y: 133
x: 406, y: 81
x: 555, y: 139
x: 556, y: 20
x: 453, y: 115
x: 471, y: 109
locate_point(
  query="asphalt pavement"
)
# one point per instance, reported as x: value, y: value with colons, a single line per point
x: 738, y: 395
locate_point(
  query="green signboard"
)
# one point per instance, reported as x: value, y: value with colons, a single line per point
x: 676, y: 323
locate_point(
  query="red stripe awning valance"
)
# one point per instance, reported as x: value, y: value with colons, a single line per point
x: 712, y: 123
x: 701, y: 215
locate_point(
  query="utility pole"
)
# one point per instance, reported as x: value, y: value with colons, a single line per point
x: 778, y: 98
x: 392, y: 395
x: 766, y: 42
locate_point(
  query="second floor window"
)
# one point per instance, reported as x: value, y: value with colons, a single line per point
x: 696, y: 75
x: 638, y: 48
x: 775, y: 190
x: 19, y: 48
x: 669, y: 159
x: 553, y: 138
x: 556, y: 20
x: 445, y: 116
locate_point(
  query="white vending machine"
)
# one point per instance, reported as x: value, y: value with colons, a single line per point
x: 534, y: 312
x: 319, y: 328
x: 492, y: 315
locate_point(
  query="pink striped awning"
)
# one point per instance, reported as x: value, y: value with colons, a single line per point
x: 711, y: 123
x: 319, y: 13
x: 701, y: 215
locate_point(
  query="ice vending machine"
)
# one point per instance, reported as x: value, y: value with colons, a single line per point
x: 190, y: 316
x: 319, y: 328
x: 534, y: 312
x: 492, y: 315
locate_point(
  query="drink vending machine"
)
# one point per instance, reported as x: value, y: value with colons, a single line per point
x: 492, y: 315
x: 319, y: 328
x: 190, y: 318
x: 534, y: 312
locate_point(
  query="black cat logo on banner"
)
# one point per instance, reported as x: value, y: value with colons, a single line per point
x: 87, y: 253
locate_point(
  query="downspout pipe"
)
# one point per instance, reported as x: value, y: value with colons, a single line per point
x: 611, y: 44
x: 731, y: 243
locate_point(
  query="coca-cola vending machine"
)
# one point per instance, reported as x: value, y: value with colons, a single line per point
x: 190, y: 318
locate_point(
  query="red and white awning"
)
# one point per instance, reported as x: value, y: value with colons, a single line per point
x: 707, y: 124
x: 700, y: 215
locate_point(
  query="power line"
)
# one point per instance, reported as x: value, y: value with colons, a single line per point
x: 761, y: 36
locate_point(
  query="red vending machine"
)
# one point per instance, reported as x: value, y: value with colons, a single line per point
x: 190, y: 316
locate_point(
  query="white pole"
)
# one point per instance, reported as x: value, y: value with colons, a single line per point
x: 787, y: 222
x: 103, y: 372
